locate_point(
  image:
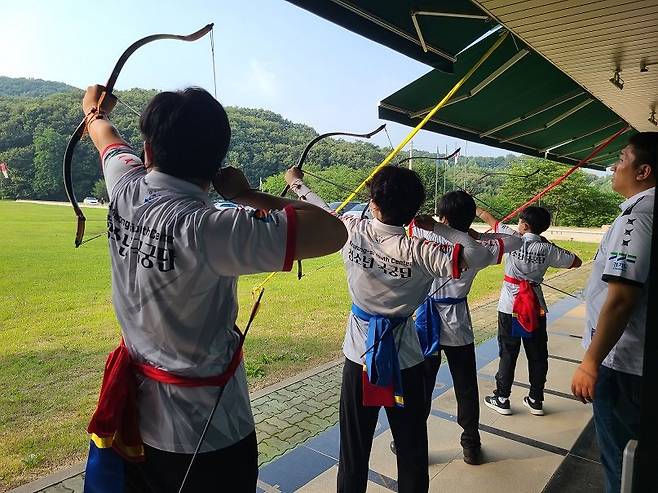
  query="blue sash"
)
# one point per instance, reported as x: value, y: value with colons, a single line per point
x: 382, y: 362
x: 104, y: 472
x: 428, y: 323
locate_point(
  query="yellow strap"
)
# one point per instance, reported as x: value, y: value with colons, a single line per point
x: 427, y: 118
x: 255, y: 291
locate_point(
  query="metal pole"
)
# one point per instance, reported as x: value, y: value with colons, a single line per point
x: 445, y: 171
x: 436, y: 178
x: 647, y: 473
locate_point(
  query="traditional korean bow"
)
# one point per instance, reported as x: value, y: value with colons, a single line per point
x: 109, y: 86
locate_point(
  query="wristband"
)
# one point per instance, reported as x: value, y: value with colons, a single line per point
x: 299, y: 188
x: 94, y: 114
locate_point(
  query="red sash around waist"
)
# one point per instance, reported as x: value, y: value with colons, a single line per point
x: 526, y: 307
x: 115, y: 422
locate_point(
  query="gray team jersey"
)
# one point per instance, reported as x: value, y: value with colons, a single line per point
x: 623, y: 256
x: 530, y: 263
x: 389, y: 273
x: 175, y: 261
x: 456, y: 326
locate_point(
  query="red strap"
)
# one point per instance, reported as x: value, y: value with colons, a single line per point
x: 512, y: 280
x: 560, y: 179
x: 376, y: 395
x: 501, y: 250
x: 164, y: 376
x: 456, y: 250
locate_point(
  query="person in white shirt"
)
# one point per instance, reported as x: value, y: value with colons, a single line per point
x: 522, y: 308
x: 443, y: 321
x: 617, y: 292
x: 175, y: 262
x: 388, y: 276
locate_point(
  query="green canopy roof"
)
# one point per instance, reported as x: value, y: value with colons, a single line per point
x: 433, y: 36
x: 517, y: 101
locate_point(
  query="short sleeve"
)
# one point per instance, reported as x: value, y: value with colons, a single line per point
x: 496, y: 247
x: 629, y: 250
x: 560, y: 258
x: 437, y: 259
x: 505, y: 229
x: 117, y: 160
x: 247, y: 241
x: 501, y: 244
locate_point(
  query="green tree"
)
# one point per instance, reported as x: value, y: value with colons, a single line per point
x: 100, y: 190
x: 49, y: 148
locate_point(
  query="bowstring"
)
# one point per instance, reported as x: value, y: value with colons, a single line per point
x: 128, y: 106
x: 212, y: 55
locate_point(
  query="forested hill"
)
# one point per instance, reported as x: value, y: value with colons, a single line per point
x: 37, y: 117
x: 34, y: 131
x: 31, y: 87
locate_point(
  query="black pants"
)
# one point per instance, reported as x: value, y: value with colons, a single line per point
x: 357, y: 427
x: 231, y: 469
x: 461, y: 361
x: 536, y: 350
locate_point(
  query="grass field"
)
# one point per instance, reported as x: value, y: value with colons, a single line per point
x: 57, y: 326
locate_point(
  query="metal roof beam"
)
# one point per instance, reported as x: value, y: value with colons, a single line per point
x: 488, y: 80
x: 550, y: 148
x: 392, y: 28
x: 554, y: 121
x: 541, y: 109
x: 458, y: 15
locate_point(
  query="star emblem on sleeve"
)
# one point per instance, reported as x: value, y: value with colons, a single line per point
x: 625, y: 242
x: 627, y: 232
x: 631, y: 221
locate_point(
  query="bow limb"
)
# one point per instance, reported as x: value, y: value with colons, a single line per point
x: 431, y: 158
x: 307, y: 149
x: 109, y: 87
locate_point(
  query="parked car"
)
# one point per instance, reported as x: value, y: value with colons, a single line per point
x: 90, y: 201
x: 334, y: 205
x: 225, y: 204
x: 357, y: 211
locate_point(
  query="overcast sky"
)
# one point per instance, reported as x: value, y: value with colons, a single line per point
x: 268, y: 54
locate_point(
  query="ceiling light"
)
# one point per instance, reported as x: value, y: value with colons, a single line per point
x: 616, y: 80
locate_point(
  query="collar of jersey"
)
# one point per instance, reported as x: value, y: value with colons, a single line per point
x: 531, y: 237
x: 631, y: 200
x: 163, y: 180
x: 387, y: 228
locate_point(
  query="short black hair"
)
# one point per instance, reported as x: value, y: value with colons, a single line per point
x: 189, y: 132
x: 645, y: 149
x: 398, y: 192
x: 538, y: 218
x: 458, y: 208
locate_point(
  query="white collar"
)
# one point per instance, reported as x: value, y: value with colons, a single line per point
x: 158, y: 179
x: 531, y: 237
x: 632, y: 200
x: 387, y: 228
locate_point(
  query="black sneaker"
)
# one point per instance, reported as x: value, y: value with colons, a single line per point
x: 473, y: 456
x: 498, y: 404
x: 392, y: 446
x: 536, y: 407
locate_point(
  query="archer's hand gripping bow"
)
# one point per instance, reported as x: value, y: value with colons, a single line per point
x: 304, y: 155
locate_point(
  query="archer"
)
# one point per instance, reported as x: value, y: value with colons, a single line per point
x: 175, y: 263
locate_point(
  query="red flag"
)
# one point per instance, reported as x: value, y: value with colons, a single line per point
x: 4, y: 169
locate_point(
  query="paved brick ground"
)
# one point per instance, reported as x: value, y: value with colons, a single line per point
x: 290, y: 415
